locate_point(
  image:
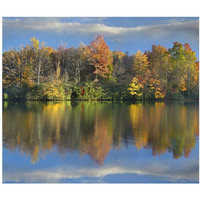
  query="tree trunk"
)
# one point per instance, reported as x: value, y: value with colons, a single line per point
x: 166, y: 79
x: 188, y: 83
x: 38, y: 75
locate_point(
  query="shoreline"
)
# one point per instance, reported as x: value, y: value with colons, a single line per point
x: 105, y: 100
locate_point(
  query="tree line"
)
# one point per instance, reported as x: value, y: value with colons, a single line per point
x: 39, y: 72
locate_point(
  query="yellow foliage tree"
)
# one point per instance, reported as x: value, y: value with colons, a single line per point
x: 35, y: 43
x: 140, y: 63
x: 54, y: 90
x: 182, y: 84
x: 159, y: 95
x: 155, y: 84
x: 135, y: 87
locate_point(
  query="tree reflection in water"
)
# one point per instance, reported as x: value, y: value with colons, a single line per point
x: 95, y: 128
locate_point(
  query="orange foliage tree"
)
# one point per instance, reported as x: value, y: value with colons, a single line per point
x: 100, y: 56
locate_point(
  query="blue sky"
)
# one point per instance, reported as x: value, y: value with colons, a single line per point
x: 121, y: 33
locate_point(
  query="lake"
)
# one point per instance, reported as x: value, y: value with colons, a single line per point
x: 101, y: 142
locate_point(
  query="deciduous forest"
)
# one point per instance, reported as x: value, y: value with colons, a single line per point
x: 94, y: 72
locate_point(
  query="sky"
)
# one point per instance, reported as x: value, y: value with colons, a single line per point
x: 127, y: 34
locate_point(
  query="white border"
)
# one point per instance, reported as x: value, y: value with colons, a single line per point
x: 100, y: 8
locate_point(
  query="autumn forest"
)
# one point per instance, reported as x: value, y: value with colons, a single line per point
x: 94, y: 72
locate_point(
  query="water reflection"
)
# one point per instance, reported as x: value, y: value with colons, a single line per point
x: 96, y: 128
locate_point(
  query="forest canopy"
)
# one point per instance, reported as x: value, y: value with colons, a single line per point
x: 94, y: 72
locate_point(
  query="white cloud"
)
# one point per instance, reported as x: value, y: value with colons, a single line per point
x: 189, y: 28
x: 158, y: 170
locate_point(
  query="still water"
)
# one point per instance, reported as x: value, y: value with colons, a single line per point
x: 92, y: 142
